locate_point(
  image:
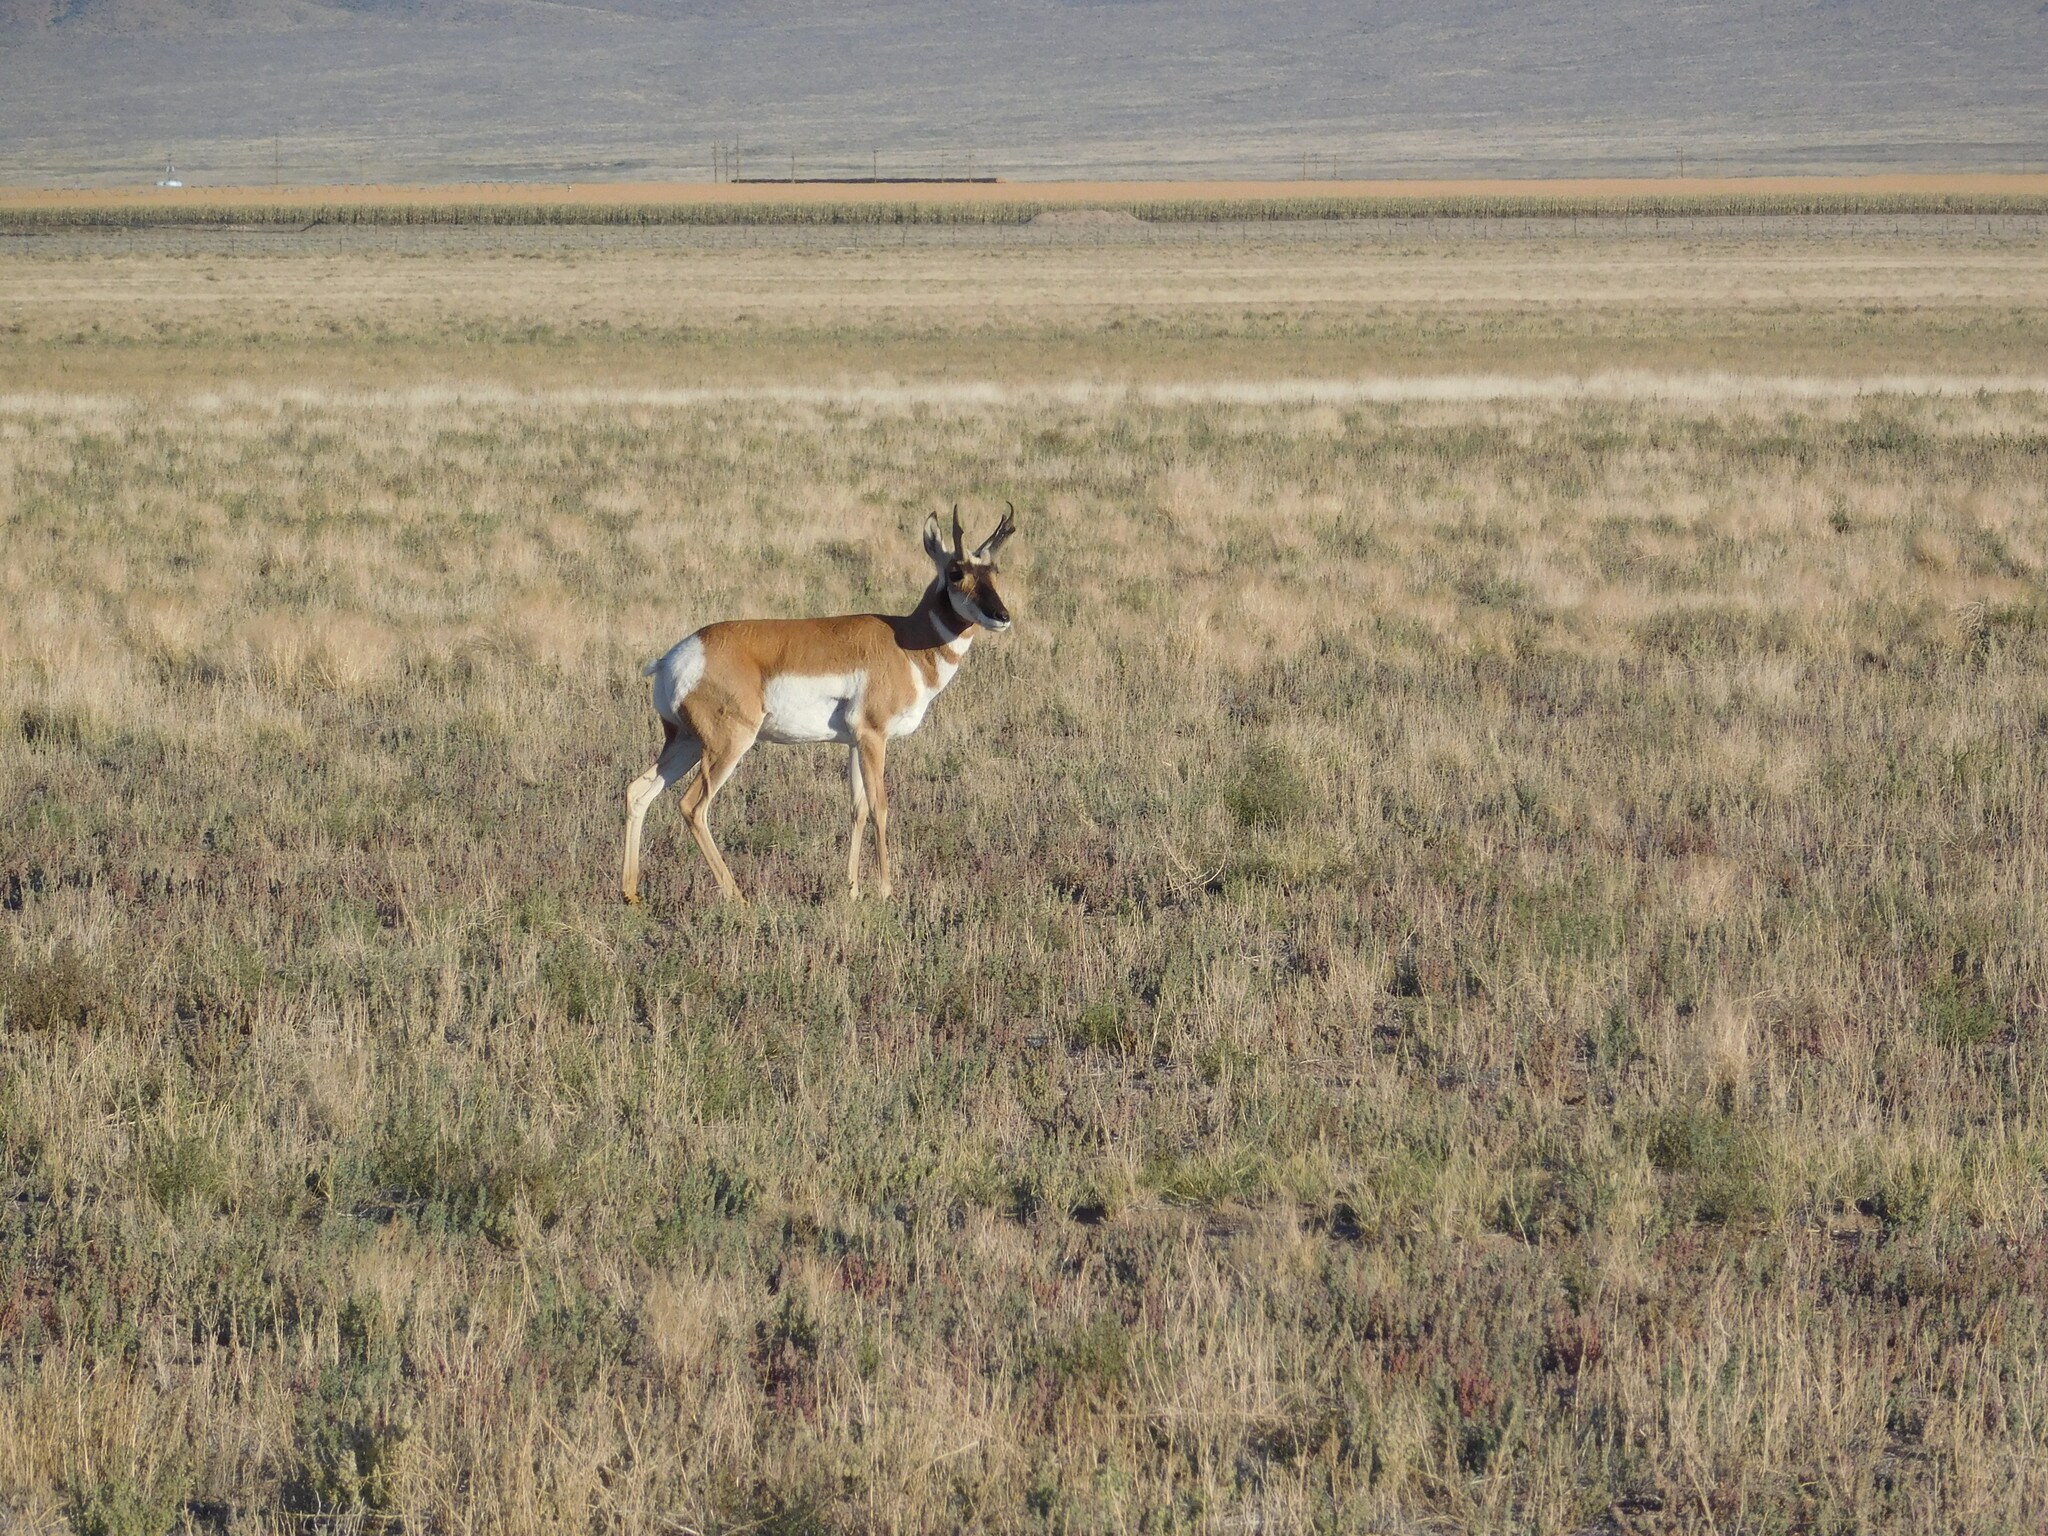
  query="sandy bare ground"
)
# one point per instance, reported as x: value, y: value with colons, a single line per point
x: 1071, y: 192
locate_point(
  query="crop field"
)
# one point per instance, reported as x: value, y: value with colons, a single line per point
x: 1476, y: 961
x: 971, y: 204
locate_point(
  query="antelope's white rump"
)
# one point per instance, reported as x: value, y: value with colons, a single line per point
x: 675, y: 673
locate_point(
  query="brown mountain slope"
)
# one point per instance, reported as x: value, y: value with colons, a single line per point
x: 99, y: 90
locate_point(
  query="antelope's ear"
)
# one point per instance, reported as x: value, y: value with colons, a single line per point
x: 934, y: 546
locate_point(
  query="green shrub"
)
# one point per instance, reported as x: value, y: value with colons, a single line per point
x: 576, y: 1334
x: 1095, y: 1359
x: 577, y: 979
x: 1714, y: 1162
x: 184, y: 1171
x: 1269, y: 789
x: 347, y: 1433
x: 127, y: 1506
x: 785, y: 1357
x: 708, y: 1204
x: 1958, y: 1011
x: 1560, y: 1197
x: 1904, y: 1198
x: 1618, y: 1041
x: 1243, y: 1173
x: 345, y: 1445
x: 66, y: 991
x: 1104, y: 1025
x: 466, y: 1177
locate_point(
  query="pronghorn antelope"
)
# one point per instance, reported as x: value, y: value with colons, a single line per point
x: 857, y: 680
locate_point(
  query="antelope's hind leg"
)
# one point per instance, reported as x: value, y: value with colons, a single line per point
x: 722, y: 754
x: 679, y: 754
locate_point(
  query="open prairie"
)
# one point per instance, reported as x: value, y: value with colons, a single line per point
x: 1475, y: 961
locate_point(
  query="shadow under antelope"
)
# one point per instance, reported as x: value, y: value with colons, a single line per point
x: 858, y: 679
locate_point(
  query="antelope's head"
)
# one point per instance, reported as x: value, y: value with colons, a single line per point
x: 969, y: 576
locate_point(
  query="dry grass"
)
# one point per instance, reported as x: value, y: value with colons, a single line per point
x: 1470, y: 964
x: 213, y: 312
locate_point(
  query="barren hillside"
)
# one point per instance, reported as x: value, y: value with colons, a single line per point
x: 101, y: 91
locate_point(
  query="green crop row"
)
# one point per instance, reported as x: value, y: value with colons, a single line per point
x: 1173, y: 211
x: 1665, y: 205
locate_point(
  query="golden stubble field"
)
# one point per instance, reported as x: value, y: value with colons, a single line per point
x: 1473, y: 962
x: 215, y: 311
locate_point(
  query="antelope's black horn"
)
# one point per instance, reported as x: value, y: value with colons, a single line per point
x: 1004, y: 529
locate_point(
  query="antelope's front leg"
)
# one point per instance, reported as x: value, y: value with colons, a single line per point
x: 873, y: 748
x: 860, y: 819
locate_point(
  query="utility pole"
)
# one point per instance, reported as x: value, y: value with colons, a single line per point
x: 875, y: 165
x: 1681, y: 165
x: 276, y: 163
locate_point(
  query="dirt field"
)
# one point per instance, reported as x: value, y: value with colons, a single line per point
x: 1473, y: 963
x: 1073, y: 192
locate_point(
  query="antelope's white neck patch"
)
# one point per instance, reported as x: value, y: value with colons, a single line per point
x: 952, y: 611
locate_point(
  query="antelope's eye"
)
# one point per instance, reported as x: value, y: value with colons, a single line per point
x: 954, y: 573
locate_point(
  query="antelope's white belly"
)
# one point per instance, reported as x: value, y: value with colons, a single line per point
x: 805, y: 709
